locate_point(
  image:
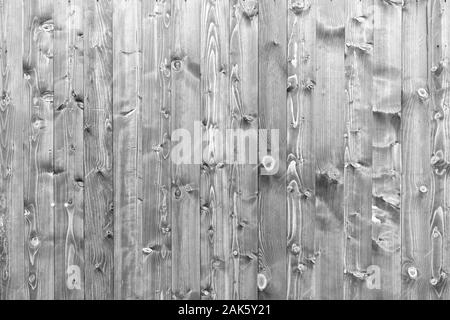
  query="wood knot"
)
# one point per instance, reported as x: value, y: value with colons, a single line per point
x: 295, y: 249
x: 176, y: 64
x: 250, y: 8
x: 268, y: 163
x: 412, y: 273
x: 109, y: 234
x: 299, y: 6
x: 423, y: 189
x: 261, y: 281
x: 423, y: 94
x: 147, y: 250
x: 34, y: 242
x: 301, y: 268
x: 47, y: 26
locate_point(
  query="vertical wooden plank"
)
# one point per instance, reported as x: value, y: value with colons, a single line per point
x: 244, y: 116
x: 300, y: 148
x: 185, y: 100
x: 13, y: 114
x: 417, y: 190
x: 438, y: 83
x: 358, y: 149
x: 272, y: 117
x: 126, y: 112
x: 155, y: 161
x: 329, y: 127
x: 39, y: 193
x: 217, y: 254
x: 386, y: 148
x: 98, y: 158
x: 68, y: 149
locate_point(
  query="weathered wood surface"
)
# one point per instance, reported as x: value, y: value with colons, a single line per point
x: 347, y: 199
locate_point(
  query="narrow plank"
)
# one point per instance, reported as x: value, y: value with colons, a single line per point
x: 438, y: 83
x: 126, y: 112
x: 300, y: 148
x: 185, y: 101
x: 272, y: 149
x: 217, y: 254
x: 243, y: 178
x: 417, y: 190
x: 442, y: 102
x: 68, y: 149
x: 329, y: 127
x: 98, y: 157
x: 155, y: 161
x: 13, y: 114
x: 386, y: 151
x: 358, y: 149
x: 39, y: 192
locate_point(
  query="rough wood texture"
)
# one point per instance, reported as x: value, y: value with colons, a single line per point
x: 333, y: 184
x: 358, y: 148
x: 13, y: 122
x: 155, y: 156
x: 330, y: 135
x: 416, y: 186
x: 98, y: 143
x: 243, y: 178
x: 68, y: 149
x: 300, y: 147
x: 39, y: 195
x: 272, y: 77
x: 185, y: 100
x: 217, y: 252
x: 386, y: 147
x: 126, y: 112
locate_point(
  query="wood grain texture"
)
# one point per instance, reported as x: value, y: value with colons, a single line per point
x: 217, y: 254
x: 13, y: 115
x: 98, y: 149
x: 243, y: 178
x: 330, y: 128
x: 39, y: 195
x: 437, y: 15
x: 440, y: 81
x: 155, y: 156
x: 417, y: 190
x: 386, y: 147
x: 272, y: 79
x: 68, y: 63
x: 358, y: 149
x: 126, y: 112
x: 300, y: 148
x: 224, y: 149
x: 185, y: 100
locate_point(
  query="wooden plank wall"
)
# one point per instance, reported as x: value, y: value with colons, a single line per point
x: 341, y: 110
